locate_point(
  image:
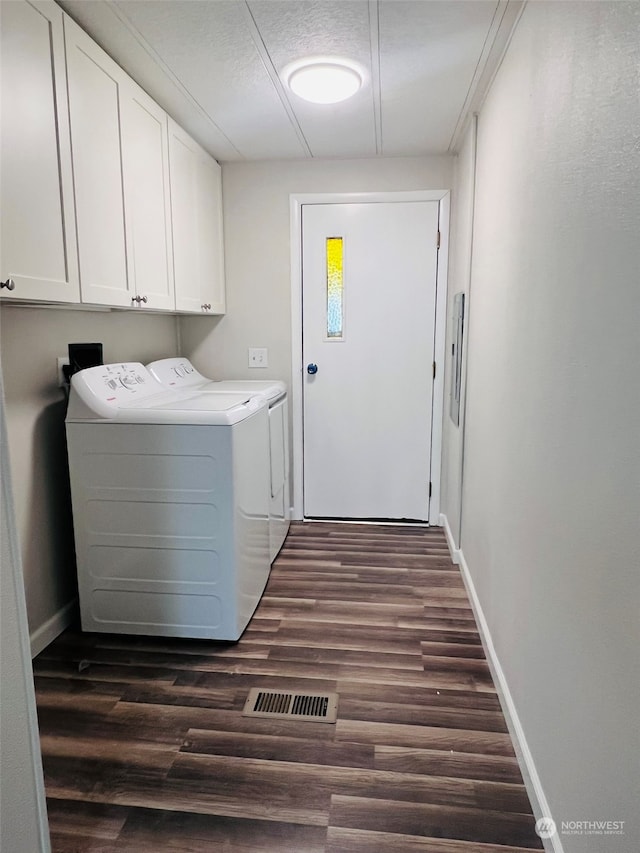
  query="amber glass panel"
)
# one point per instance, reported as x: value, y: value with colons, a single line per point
x: 335, y: 288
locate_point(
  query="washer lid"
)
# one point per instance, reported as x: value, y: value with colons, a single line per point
x: 196, y: 408
x: 179, y: 373
x: 128, y: 393
x: 269, y: 389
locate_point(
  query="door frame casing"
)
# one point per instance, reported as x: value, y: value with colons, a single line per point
x: 296, y: 201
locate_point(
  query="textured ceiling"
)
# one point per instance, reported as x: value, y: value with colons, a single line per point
x: 215, y: 66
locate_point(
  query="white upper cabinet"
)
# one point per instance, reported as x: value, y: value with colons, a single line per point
x: 183, y: 169
x: 94, y: 99
x: 210, y: 236
x: 38, y: 256
x: 121, y: 176
x: 147, y: 207
x: 105, y: 200
x: 196, y: 214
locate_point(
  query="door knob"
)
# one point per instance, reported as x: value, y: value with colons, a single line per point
x: 312, y: 368
x: 9, y: 284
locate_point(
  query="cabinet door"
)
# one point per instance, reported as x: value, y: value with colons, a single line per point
x: 210, y: 236
x: 94, y: 100
x: 146, y: 198
x: 37, y: 231
x: 184, y: 156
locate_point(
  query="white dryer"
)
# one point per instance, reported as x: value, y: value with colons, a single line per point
x: 170, y: 504
x: 179, y: 373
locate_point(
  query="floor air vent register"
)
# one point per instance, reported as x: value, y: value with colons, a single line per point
x: 280, y: 705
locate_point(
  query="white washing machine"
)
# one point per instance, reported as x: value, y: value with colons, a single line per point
x: 179, y: 373
x: 170, y: 504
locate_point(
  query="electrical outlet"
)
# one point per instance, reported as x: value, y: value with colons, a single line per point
x: 258, y: 357
x: 61, y: 362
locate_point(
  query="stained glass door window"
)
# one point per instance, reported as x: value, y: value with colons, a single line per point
x: 335, y: 288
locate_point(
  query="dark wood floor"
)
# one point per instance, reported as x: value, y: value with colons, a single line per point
x: 146, y: 749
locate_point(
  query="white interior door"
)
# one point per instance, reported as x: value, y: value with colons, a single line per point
x: 368, y: 407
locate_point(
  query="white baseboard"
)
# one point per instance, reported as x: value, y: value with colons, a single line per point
x: 455, y: 553
x: 47, y: 633
x: 530, y: 776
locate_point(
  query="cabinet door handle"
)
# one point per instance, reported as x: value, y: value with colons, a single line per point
x: 143, y: 299
x: 139, y: 299
x: 206, y: 306
x: 9, y: 284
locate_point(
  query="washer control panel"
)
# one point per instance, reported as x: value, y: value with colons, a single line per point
x: 176, y: 372
x: 115, y: 386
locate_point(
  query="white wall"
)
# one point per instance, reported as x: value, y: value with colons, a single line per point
x: 257, y: 251
x: 31, y: 339
x: 551, y: 497
x: 459, y: 281
x: 23, y: 819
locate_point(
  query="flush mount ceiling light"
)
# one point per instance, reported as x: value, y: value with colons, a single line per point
x: 323, y: 80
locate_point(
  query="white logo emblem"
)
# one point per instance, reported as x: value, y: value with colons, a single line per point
x: 545, y: 827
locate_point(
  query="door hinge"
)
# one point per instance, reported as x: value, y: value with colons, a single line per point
x: 434, y: 370
x: 430, y: 489
x: 438, y: 240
